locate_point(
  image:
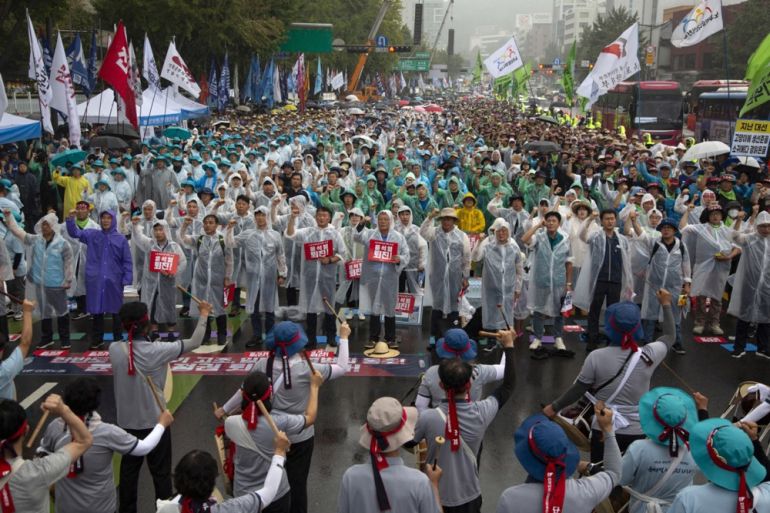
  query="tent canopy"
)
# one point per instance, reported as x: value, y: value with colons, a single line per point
x: 154, y: 111
x: 15, y: 128
x: 190, y: 108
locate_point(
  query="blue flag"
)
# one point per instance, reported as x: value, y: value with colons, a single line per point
x: 213, y: 87
x: 224, y: 85
x: 47, y: 54
x: 77, y: 64
x: 319, y: 79
x: 256, y: 77
x: 246, y: 91
x: 267, y: 84
x: 92, y: 69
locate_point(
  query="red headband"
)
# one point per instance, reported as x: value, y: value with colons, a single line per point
x: 131, y: 326
x: 745, y: 499
x: 250, y: 413
x: 6, y: 499
x: 627, y: 342
x: 671, y: 433
x: 450, y: 349
x: 452, y: 428
x: 554, y: 478
x: 378, y: 444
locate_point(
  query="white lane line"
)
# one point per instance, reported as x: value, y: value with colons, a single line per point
x: 37, y: 394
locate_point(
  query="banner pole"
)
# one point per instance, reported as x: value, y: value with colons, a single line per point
x: 727, y: 78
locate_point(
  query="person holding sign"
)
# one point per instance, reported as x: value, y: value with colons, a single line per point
x: 350, y: 273
x: 264, y: 264
x: 293, y: 250
x: 388, y: 254
x: 323, y: 249
x: 411, y: 279
x: 165, y: 264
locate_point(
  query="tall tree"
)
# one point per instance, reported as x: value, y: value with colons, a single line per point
x: 744, y: 33
x: 604, y: 30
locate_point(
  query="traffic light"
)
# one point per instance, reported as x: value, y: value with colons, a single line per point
x: 400, y: 49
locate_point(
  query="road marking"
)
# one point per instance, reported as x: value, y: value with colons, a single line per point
x: 37, y: 394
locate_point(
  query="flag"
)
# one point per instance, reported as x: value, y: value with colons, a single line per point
x: 403, y: 81
x: 337, y: 81
x: 319, y: 79
x: 77, y: 64
x: 149, y: 68
x: 759, y: 59
x: 176, y: 71
x: 223, y: 95
x: 704, y: 20
x: 615, y: 63
x: 213, y: 85
x: 301, y: 79
x: 47, y: 54
x: 115, y: 71
x: 567, y: 78
x: 477, y: 69
x: 256, y: 80
x: 267, y: 83
x: 134, y: 78
x: 246, y: 91
x: 63, y: 92
x: 92, y: 69
x: 276, y: 78
x: 204, y: 97
x: 504, y: 60
x: 3, y: 98
x: 37, y: 72
x: 759, y: 91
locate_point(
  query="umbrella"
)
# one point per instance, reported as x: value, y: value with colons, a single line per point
x: 705, y: 150
x: 432, y: 107
x: 407, y: 107
x: 420, y: 108
x: 368, y: 141
x: 547, y: 119
x: 542, y: 146
x: 290, y: 108
x: 68, y: 157
x: 177, y: 132
x: 355, y: 111
x: 749, y: 162
x: 108, y: 142
x: 243, y: 108
x: 352, y: 98
x: 123, y: 131
x: 401, y: 103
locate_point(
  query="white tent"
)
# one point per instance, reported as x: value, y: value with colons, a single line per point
x: 190, y: 108
x: 154, y: 111
x: 15, y: 128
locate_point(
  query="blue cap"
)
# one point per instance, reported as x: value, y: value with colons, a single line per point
x: 621, y: 319
x: 549, y: 441
x: 206, y: 190
x: 286, y: 337
x: 456, y: 343
x: 665, y: 412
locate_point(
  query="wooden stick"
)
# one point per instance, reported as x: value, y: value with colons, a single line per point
x: 309, y: 363
x: 185, y: 291
x: 38, y: 427
x: 502, y: 312
x: 329, y: 306
x: 679, y: 378
x: 440, y: 440
x: 11, y: 297
x: 155, y: 393
x: 489, y: 334
x: 268, y: 417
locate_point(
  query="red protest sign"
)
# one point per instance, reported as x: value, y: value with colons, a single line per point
x: 229, y: 294
x: 474, y: 239
x: 163, y: 262
x: 405, y: 304
x: 317, y: 250
x: 381, y: 251
x: 353, y: 269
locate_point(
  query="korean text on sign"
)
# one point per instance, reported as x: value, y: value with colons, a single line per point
x: 751, y: 138
x: 381, y: 251
x: 318, y: 250
x: 405, y: 304
x: 353, y: 269
x: 163, y: 262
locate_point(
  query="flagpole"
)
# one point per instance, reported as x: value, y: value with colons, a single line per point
x: 727, y: 78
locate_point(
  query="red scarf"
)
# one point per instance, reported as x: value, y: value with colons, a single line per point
x: 627, y: 342
x: 251, y: 412
x: 554, y: 478
x: 228, y: 466
x: 78, y: 467
x: 191, y: 506
x: 131, y: 326
x: 671, y: 433
x: 452, y: 428
x: 284, y: 360
x: 745, y: 498
x: 379, y: 443
x: 6, y: 499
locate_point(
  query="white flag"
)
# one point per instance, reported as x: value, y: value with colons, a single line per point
x: 38, y: 74
x: 149, y: 68
x: 176, y: 71
x: 134, y: 80
x: 3, y: 98
x: 704, y: 20
x: 504, y: 60
x: 337, y: 81
x: 277, y: 86
x: 63, y: 92
x: 615, y: 63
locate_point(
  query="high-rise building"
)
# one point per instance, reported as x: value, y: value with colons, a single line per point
x: 570, y: 17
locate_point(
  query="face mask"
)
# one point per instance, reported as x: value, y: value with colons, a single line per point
x: 733, y: 212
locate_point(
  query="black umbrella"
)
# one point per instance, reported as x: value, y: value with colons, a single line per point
x: 542, y: 146
x: 122, y: 130
x: 547, y: 119
x: 108, y: 142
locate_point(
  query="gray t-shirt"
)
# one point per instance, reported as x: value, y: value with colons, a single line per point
x: 29, y: 485
x: 460, y: 480
x: 644, y: 465
x: 93, y: 490
x: 408, y: 489
x: 136, y: 406
x: 251, y: 467
x: 293, y: 400
x: 430, y: 386
x: 249, y: 503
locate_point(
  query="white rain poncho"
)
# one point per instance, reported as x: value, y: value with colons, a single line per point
x: 502, y: 277
x: 50, y: 269
x: 547, y: 273
x: 639, y: 249
x: 213, y: 263
x: 418, y: 252
x: 449, y: 263
x: 196, y: 228
x: 378, y: 285
x: 354, y: 251
x: 103, y: 200
x: 146, y: 223
x: 579, y: 248
x: 79, y: 251
x: 584, y: 289
x: 316, y: 280
x: 154, y: 282
x: 263, y: 200
x: 664, y: 270
x: 264, y: 260
x: 242, y: 224
x: 703, y: 241
x: 750, y: 300
x: 292, y: 248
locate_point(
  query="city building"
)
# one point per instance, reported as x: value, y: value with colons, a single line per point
x: 570, y: 17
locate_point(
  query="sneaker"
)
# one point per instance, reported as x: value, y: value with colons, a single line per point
x: 738, y: 353
x: 697, y: 329
x: 184, y: 313
x: 535, y: 344
x: 559, y: 344
x: 254, y: 342
x: 370, y: 344
x: 763, y: 353
x: 77, y: 315
x: 45, y: 345
x: 96, y: 345
x: 716, y: 330
x: 348, y: 313
x: 678, y: 349
x: 361, y: 317
x: 393, y: 344
x: 17, y: 316
x: 65, y: 344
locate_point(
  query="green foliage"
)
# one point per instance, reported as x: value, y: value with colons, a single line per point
x: 605, y: 29
x: 744, y: 34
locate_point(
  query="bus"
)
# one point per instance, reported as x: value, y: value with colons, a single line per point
x: 700, y: 87
x: 653, y: 107
x: 717, y: 112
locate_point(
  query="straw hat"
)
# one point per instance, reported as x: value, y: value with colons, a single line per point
x: 381, y: 350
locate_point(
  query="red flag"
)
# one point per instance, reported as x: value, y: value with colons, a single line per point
x: 203, y: 98
x: 116, y: 70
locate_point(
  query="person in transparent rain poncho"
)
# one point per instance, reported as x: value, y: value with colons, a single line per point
x: 348, y: 291
x: 193, y: 209
x: 243, y: 221
x: 638, y: 250
x: 412, y: 277
x: 77, y: 288
x: 293, y: 250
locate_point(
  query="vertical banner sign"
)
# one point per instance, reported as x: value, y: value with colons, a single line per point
x: 751, y: 138
x: 381, y: 251
x: 163, y: 262
x: 475, y: 239
x: 229, y: 294
x: 405, y: 304
x: 318, y: 250
x: 353, y: 269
